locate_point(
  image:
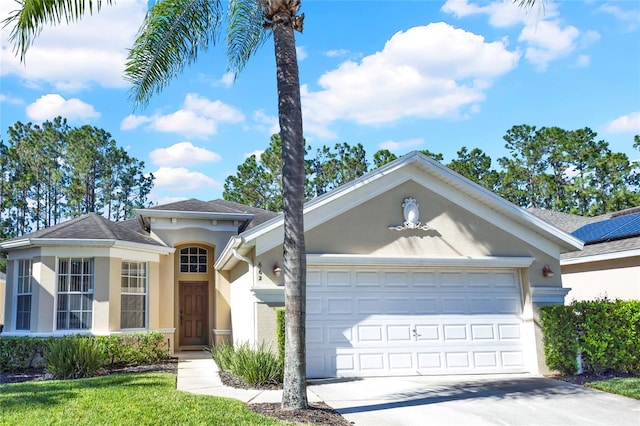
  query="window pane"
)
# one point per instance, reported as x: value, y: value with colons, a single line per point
x: 202, y: 268
x: 184, y: 268
x: 193, y: 250
x: 75, y: 294
x: 184, y: 251
x: 202, y: 259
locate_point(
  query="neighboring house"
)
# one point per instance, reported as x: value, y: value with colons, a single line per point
x: 412, y: 269
x: 2, y: 292
x: 609, y: 264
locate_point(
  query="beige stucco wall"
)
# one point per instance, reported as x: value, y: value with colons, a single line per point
x: 615, y: 279
x: 267, y: 333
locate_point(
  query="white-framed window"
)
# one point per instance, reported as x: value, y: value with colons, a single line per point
x: 75, y: 294
x: 193, y: 260
x: 133, y: 304
x: 23, y: 295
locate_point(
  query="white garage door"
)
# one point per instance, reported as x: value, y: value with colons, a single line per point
x: 401, y: 321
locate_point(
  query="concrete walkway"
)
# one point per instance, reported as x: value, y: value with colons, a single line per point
x: 198, y: 373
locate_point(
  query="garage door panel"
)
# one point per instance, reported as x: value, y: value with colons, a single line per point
x: 425, y: 279
x: 399, y: 305
x: 426, y: 305
x: 340, y: 305
x: 427, y: 332
x: 453, y: 305
x: 367, y: 279
x: 337, y: 279
x: 396, y: 279
x: 369, y: 305
x: 314, y: 306
x: 370, y: 334
x: 482, y: 332
x: 399, y: 333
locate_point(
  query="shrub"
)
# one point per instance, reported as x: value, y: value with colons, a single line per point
x: 73, y: 357
x: 281, y: 332
x: 560, y: 338
x: 135, y: 348
x: 605, y: 332
x: 22, y: 353
x: 223, y: 355
x: 256, y: 366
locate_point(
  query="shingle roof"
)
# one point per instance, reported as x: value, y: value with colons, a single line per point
x: 91, y: 227
x: 572, y: 223
x: 259, y: 215
x: 219, y: 206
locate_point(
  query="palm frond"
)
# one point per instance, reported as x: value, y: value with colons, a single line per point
x: 32, y: 15
x: 172, y: 34
x: 245, y: 32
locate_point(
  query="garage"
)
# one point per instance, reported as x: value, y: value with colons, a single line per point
x: 380, y: 321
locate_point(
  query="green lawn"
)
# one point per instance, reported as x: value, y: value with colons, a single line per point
x: 627, y: 386
x: 127, y: 399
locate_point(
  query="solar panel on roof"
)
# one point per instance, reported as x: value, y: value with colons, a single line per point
x: 614, y: 228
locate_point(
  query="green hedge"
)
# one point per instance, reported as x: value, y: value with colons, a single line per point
x: 22, y: 353
x: 605, y: 332
x: 281, y: 332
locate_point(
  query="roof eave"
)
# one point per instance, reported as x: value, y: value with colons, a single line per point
x: 80, y: 242
x: 193, y: 215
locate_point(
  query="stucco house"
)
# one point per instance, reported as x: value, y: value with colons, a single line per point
x: 609, y: 264
x: 412, y: 269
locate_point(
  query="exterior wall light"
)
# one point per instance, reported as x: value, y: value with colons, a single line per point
x: 547, y: 271
x: 277, y: 270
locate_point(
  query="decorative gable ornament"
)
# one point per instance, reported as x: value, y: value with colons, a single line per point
x: 411, y: 217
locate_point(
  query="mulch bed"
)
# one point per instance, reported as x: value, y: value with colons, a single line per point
x: 318, y: 413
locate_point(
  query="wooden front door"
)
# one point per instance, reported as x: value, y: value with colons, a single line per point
x: 194, y: 314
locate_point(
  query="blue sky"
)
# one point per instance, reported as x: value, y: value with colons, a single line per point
x: 436, y: 75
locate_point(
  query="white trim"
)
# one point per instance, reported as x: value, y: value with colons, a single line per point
x: 268, y: 294
x: 549, y: 238
x: 167, y: 330
x: 80, y: 242
x: 466, y: 261
x: 555, y: 295
x: 217, y: 332
x: 600, y: 257
x: 176, y: 214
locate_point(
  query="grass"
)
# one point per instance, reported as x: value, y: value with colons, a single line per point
x: 127, y: 399
x: 626, y: 386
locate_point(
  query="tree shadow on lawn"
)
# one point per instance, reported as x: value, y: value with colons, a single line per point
x: 33, y: 395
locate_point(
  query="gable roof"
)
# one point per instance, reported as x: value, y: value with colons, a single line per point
x: 88, y: 227
x: 341, y: 199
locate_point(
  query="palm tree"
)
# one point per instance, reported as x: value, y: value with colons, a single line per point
x: 170, y: 38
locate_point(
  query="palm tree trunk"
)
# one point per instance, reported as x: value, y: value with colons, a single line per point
x: 293, y: 175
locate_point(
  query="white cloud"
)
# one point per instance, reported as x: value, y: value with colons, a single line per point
x: 401, y: 145
x: 546, y: 38
x: 337, y: 53
x: 629, y: 123
x: 428, y: 71
x: 76, y: 56
x: 226, y: 80
x: 629, y: 17
x: 132, y: 121
x: 266, y: 122
x: 180, y: 178
x: 301, y: 53
x: 257, y: 153
x: 161, y: 201
x: 182, y: 154
x: 10, y: 99
x: 503, y: 13
x: 198, y: 117
x: 52, y: 105
x: 548, y: 41
x: 583, y: 61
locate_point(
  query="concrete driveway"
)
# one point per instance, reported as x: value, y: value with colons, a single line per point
x: 473, y: 400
